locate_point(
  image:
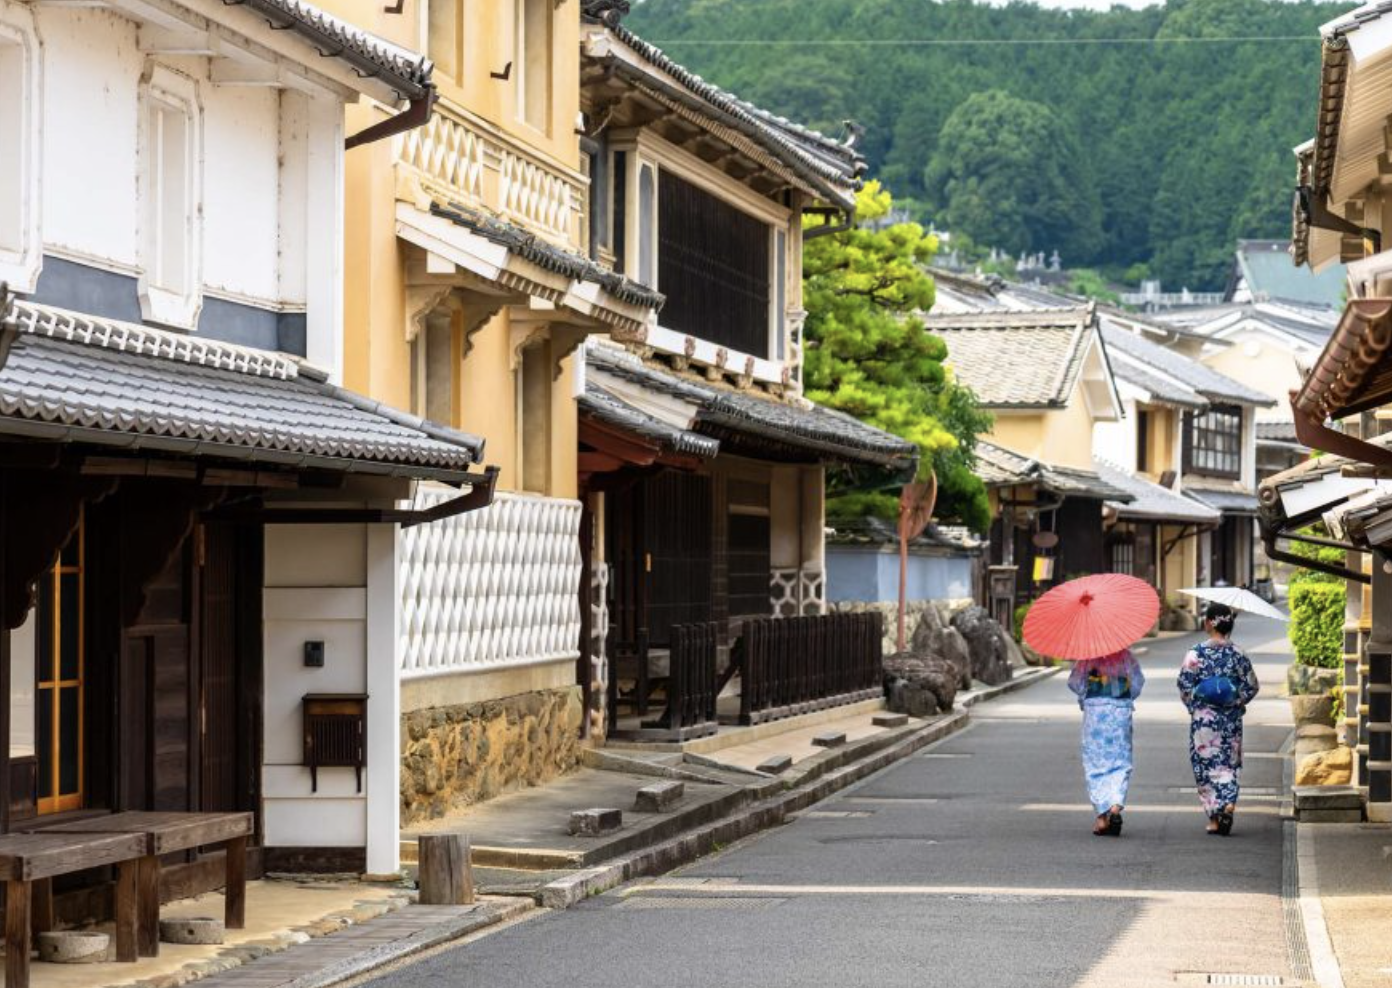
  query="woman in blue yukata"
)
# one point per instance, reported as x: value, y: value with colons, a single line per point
x: 1107, y: 689
x: 1216, y: 683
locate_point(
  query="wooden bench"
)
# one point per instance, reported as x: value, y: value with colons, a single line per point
x: 29, y: 858
x: 167, y: 832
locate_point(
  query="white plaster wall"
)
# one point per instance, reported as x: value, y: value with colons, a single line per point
x: 1116, y: 441
x: 316, y: 589
x: 241, y: 140
x: 91, y: 77
x: 272, y: 171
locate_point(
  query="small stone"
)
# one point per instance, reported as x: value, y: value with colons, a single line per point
x: 595, y: 822
x: 1326, y: 768
x: 659, y: 796
x: 776, y: 765
x: 829, y: 739
x: 192, y: 930
x: 889, y: 720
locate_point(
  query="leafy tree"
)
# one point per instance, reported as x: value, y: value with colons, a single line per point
x: 1091, y: 284
x: 1186, y: 144
x: 1008, y: 172
x: 869, y: 354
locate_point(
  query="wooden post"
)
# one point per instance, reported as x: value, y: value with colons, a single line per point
x: 147, y: 905
x: 234, y: 904
x: 446, y: 876
x: 17, y: 934
x: 41, y: 905
x: 127, y: 911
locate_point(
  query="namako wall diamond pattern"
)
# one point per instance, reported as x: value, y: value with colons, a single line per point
x: 492, y: 588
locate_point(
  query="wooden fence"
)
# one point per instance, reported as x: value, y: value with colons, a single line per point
x: 791, y: 666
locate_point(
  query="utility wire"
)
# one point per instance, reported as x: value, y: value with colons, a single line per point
x: 977, y: 42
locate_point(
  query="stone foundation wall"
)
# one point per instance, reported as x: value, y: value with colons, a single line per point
x: 455, y: 756
x: 915, y: 610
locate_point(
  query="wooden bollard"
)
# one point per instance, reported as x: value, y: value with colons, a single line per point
x: 446, y: 876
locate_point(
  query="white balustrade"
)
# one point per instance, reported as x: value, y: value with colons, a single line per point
x: 490, y: 589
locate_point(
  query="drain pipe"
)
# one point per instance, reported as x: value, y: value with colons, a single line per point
x: 416, y: 114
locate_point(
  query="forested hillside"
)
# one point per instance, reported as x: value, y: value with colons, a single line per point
x: 1114, y: 137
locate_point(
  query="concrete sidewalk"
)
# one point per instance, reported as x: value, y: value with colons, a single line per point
x: 1347, y: 867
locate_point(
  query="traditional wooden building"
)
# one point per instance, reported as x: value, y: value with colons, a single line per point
x: 704, y: 469
x: 1040, y: 367
x: 1191, y: 430
x: 1344, y: 214
x: 199, y: 526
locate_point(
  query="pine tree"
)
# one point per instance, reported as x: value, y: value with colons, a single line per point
x: 869, y: 355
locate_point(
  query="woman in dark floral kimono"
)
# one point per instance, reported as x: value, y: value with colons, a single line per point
x: 1216, y: 683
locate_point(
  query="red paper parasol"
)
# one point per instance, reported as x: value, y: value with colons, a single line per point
x: 1092, y: 616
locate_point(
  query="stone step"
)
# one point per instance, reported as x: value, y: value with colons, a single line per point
x: 659, y: 796
x: 776, y: 765
x: 889, y: 720
x: 1328, y: 798
x: 829, y: 739
x: 595, y: 822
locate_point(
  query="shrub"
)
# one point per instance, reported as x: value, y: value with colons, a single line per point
x: 1322, y: 553
x: 1317, y: 623
x: 1020, y: 613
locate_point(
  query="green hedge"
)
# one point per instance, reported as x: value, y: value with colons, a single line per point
x: 1020, y: 613
x: 1317, y: 623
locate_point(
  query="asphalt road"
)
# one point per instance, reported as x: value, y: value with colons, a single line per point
x: 971, y: 864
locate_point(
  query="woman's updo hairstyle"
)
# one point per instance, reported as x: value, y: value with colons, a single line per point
x: 1222, y: 616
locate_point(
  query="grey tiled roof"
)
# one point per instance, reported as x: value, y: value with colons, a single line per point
x: 1179, y: 368
x: 818, y: 429
x: 1017, y: 359
x: 604, y: 407
x: 877, y: 531
x: 548, y: 256
x: 1001, y: 467
x: 67, y: 376
x: 406, y: 71
x: 1160, y: 389
x: 1152, y: 502
x: 833, y: 166
x: 1235, y: 502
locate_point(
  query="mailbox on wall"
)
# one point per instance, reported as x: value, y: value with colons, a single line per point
x: 335, y: 733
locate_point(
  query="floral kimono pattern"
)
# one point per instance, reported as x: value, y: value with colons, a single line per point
x: 1215, y: 733
x: 1106, y: 690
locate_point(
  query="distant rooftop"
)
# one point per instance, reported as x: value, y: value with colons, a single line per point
x: 1264, y: 271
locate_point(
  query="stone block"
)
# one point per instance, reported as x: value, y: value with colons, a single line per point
x: 72, y: 947
x: 776, y: 765
x: 595, y: 822
x: 192, y: 930
x: 659, y: 796
x: 829, y: 739
x: 1310, y: 680
x: 889, y: 720
x: 1311, y: 739
x: 1313, y: 709
x: 1327, y: 798
x: 1325, y: 768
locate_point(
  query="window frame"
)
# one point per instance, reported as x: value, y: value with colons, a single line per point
x: 1203, y: 435
x: 20, y: 263
x: 522, y: 65
x: 457, y: 46
x: 627, y: 157
x: 164, y: 89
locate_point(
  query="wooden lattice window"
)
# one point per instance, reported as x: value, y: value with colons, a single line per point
x: 1213, y: 441
x: 714, y: 267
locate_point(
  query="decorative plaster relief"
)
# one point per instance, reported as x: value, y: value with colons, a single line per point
x: 490, y: 589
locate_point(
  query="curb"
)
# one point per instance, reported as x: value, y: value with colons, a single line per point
x: 1029, y: 677
x: 573, y: 889
x: 489, y: 914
